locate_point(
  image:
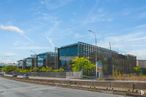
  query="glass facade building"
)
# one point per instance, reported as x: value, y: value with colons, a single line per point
x: 29, y: 62
x: 21, y: 64
x: 110, y: 60
x: 46, y: 59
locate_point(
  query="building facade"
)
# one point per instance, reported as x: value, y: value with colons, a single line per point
x: 47, y: 59
x: 109, y: 60
x: 29, y: 62
x: 141, y: 63
x: 21, y: 64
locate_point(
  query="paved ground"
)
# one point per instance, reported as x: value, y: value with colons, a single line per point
x: 10, y: 88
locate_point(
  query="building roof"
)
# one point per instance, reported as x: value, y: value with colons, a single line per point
x: 46, y: 53
x: 101, y: 48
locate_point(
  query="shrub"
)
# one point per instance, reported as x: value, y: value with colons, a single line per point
x: 84, y: 64
x: 9, y: 68
x: 45, y: 69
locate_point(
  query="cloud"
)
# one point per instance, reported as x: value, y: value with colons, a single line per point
x: 11, y: 28
x: 15, y: 29
x: 50, y: 42
x: 140, y: 53
x: 132, y: 43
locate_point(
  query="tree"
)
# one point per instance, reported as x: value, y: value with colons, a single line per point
x: 137, y: 70
x: 82, y: 63
x: 35, y: 69
x: 45, y: 69
x: 58, y: 70
x: 9, y: 68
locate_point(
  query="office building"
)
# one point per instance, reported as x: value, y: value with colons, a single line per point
x: 21, y: 64
x: 141, y: 63
x: 47, y: 59
x: 109, y: 60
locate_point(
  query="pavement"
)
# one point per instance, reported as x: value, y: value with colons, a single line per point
x: 11, y: 88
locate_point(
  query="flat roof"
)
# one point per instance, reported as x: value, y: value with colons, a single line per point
x: 95, y: 46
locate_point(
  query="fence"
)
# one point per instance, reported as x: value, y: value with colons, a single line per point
x: 113, y: 86
x: 76, y: 75
x: 49, y: 74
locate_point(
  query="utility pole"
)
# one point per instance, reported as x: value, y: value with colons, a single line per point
x: 95, y: 49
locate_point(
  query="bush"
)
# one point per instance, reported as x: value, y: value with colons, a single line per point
x: 84, y: 64
x: 58, y: 70
x: 23, y: 70
x: 9, y: 68
x: 35, y: 69
x: 45, y: 69
x: 137, y: 70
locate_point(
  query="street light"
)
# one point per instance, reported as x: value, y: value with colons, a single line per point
x: 95, y: 49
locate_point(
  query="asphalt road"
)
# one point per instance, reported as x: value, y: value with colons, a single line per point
x: 10, y: 88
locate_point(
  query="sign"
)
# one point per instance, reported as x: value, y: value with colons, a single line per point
x: 99, y: 66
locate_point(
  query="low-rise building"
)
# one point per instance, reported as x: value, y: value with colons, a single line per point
x: 141, y: 63
x: 21, y: 64
x: 109, y: 60
x: 47, y: 59
x: 29, y: 62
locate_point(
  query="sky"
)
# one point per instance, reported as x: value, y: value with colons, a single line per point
x: 34, y: 26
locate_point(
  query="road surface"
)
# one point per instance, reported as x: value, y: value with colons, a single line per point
x: 11, y: 88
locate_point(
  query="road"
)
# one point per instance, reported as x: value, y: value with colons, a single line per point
x: 11, y: 88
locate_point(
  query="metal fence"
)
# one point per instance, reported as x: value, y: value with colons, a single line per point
x: 75, y: 75
x: 49, y: 74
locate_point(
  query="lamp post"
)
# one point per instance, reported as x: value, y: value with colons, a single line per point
x: 95, y: 48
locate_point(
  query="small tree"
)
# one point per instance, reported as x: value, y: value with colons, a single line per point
x: 58, y: 70
x: 9, y: 68
x: 45, y: 69
x: 84, y: 64
x: 137, y: 70
x: 35, y: 69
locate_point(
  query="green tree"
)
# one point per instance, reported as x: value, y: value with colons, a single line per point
x: 45, y: 69
x: 9, y: 68
x: 82, y: 63
x: 58, y: 70
x: 23, y: 70
x: 35, y: 69
x: 137, y: 70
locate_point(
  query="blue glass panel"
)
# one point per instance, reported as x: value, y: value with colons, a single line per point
x: 69, y: 51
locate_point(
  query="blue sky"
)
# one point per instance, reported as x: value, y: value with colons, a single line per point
x: 34, y: 26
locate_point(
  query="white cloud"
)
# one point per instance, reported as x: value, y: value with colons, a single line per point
x: 140, y: 53
x: 15, y: 29
x: 11, y: 28
x: 132, y: 43
x: 52, y: 45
